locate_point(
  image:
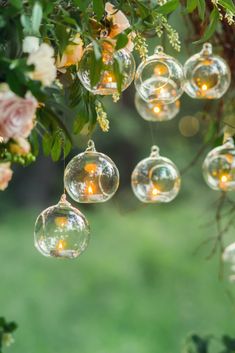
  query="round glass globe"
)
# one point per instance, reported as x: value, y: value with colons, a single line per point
x: 107, y: 84
x: 160, y: 78
x: 229, y: 260
x: 61, y: 231
x: 156, y: 111
x: 91, y: 177
x: 219, y: 167
x: 207, y: 75
x: 155, y: 179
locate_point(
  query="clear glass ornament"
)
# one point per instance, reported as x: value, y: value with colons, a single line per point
x: 155, y: 179
x: 156, y: 111
x: 91, y: 176
x: 207, y: 75
x: 160, y: 78
x: 219, y: 167
x: 107, y: 84
x: 61, y: 231
x: 229, y: 260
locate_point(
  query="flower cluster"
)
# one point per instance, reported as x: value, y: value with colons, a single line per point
x: 172, y: 34
x: 102, y: 117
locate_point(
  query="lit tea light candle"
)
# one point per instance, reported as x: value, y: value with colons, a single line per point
x: 61, y: 221
x: 204, y: 87
x: 156, y: 109
x: 90, y: 188
x: 90, y: 168
x: 154, y: 191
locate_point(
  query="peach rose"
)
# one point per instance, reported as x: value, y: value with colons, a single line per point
x: 16, y: 114
x: 72, y: 54
x: 119, y: 24
x: 5, y: 175
x: 118, y: 19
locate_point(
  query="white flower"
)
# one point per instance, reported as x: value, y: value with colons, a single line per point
x: 30, y: 44
x: 44, y: 62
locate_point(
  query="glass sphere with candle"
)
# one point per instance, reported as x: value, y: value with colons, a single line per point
x: 160, y: 78
x: 207, y: 75
x: 107, y: 83
x: 155, y: 179
x: 156, y: 111
x: 91, y: 176
x: 219, y: 167
x: 229, y: 261
x: 61, y: 231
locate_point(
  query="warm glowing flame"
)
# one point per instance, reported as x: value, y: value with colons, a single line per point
x: 108, y: 78
x: 224, y: 178
x: 61, y: 221
x: 154, y: 191
x: 90, y: 188
x: 156, y: 109
x: 60, y: 245
x: 204, y: 87
x: 90, y: 167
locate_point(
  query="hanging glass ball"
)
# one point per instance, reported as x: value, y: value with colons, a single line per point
x: 61, y: 231
x: 107, y: 84
x: 155, y: 179
x: 219, y: 167
x: 160, y: 78
x: 229, y: 260
x: 156, y: 111
x: 91, y: 176
x: 207, y: 75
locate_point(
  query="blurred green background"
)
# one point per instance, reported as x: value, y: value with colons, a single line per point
x: 139, y: 287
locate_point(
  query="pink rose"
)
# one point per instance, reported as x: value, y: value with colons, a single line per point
x: 16, y: 114
x: 5, y: 175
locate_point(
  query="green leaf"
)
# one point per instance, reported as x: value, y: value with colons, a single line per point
x: 98, y: 6
x: 117, y: 67
x: 36, y: 17
x: 95, y: 65
x: 26, y: 23
x: 82, y: 117
x: 56, y: 147
x: 214, y: 19
x: 201, y: 8
x: 82, y: 4
x: 227, y: 4
x: 122, y: 40
x: 191, y: 5
x: 169, y: 7
x: 18, y: 4
x: 47, y: 143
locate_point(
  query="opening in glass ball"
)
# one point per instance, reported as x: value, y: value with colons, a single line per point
x: 107, y: 84
x: 156, y: 180
x: 159, y: 78
x: 156, y: 111
x: 61, y: 231
x: 219, y: 168
x: 91, y: 177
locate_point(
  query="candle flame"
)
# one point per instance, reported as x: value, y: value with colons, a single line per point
x: 157, y: 109
x: 204, y: 87
x: 61, y: 245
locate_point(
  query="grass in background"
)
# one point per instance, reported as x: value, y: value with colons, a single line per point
x: 137, y: 289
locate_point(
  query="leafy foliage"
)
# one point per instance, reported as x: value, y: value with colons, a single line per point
x: 66, y: 108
